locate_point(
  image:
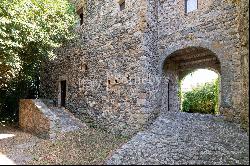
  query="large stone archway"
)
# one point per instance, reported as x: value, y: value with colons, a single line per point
x: 178, y: 64
x: 224, y: 56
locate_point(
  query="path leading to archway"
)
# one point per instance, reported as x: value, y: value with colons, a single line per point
x: 182, y: 138
x: 88, y: 146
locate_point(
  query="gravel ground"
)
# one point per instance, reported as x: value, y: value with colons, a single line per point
x: 83, y: 147
x: 181, y: 138
x: 174, y: 138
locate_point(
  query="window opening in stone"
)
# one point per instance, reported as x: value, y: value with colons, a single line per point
x: 191, y: 5
x: 122, y: 5
x: 109, y: 82
x: 85, y: 67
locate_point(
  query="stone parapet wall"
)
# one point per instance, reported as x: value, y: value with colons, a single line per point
x: 46, y: 122
x: 36, y: 118
x: 33, y: 119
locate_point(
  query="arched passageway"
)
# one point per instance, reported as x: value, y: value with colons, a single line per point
x: 180, y: 63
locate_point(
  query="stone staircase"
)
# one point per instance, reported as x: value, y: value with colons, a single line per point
x: 66, y: 121
x: 45, y: 120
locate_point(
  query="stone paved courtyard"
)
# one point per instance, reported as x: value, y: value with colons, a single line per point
x: 182, y: 138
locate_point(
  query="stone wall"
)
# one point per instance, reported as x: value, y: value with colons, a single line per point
x: 32, y: 119
x: 214, y: 27
x: 103, y: 65
x: 243, y: 27
x: 115, y: 68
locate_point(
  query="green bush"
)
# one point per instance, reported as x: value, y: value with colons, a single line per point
x: 29, y: 32
x: 202, y: 99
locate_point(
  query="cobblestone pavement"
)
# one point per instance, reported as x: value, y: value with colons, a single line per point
x: 183, y: 138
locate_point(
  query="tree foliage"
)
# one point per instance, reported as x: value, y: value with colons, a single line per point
x: 29, y: 31
x: 202, y: 99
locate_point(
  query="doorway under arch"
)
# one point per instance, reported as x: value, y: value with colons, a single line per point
x: 180, y: 63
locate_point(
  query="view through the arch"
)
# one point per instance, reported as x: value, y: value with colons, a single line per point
x: 199, y: 92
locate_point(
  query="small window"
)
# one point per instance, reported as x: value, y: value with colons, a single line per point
x: 191, y: 5
x: 80, y: 14
x: 122, y: 5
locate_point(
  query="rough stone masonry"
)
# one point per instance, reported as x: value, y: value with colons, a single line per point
x: 123, y: 69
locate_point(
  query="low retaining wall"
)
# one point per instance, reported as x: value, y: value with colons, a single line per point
x: 35, y: 117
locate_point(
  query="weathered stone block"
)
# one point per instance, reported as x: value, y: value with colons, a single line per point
x: 32, y: 119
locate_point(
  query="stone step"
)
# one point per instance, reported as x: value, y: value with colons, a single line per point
x: 66, y: 120
x: 43, y: 119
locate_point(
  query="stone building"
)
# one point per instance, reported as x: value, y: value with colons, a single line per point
x: 123, y: 68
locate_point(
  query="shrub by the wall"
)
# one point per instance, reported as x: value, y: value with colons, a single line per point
x: 202, y: 99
